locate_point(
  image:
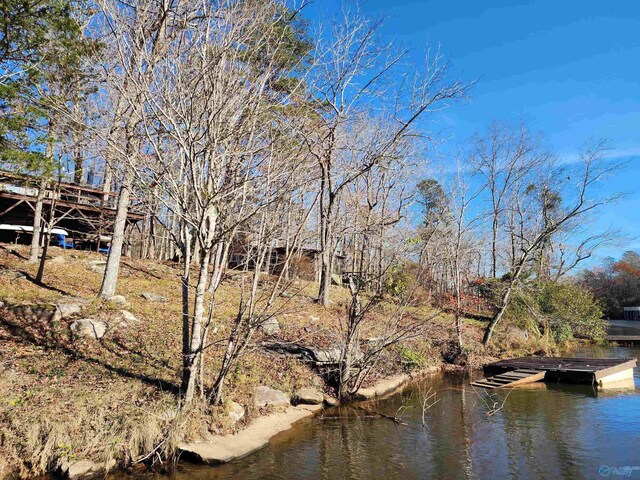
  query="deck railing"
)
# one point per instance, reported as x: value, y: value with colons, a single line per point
x: 25, y: 185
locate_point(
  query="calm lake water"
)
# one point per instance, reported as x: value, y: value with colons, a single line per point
x: 544, y: 431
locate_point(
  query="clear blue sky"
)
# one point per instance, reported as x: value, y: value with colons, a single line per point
x: 569, y: 69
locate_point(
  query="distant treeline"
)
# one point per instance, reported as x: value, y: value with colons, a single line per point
x: 616, y: 283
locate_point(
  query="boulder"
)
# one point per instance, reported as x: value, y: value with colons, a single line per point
x: 38, y: 313
x: 66, y: 310
x: 266, y: 396
x: 11, y: 274
x: 154, y: 297
x: 88, y: 327
x: 98, y: 266
x: 117, y: 300
x: 308, y: 396
x: 328, y: 355
x: 124, y: 319
x: 236, y: 412
x: 331, y: 401
x: 270, y: 326
x: 84, y: 469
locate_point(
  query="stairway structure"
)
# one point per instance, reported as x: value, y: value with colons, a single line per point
x: 510, y: 379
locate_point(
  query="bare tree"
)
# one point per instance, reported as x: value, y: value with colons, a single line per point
x: 138, y: 34
x: 211, y: 124
x: 579, y: 200
x: 462, y: 247
x: 503, y: 157
x: 356, y: 79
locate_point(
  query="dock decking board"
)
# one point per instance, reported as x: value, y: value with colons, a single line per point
x: 579, y: 370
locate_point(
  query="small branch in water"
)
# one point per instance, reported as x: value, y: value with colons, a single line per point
x: 427, y: 401
x: 394, y: 419
x: 492, y: 402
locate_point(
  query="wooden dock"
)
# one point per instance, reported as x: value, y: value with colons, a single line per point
x: 624, y: 338
x: 519, y: 371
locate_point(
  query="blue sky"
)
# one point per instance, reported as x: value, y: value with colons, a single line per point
x: 569, y: 69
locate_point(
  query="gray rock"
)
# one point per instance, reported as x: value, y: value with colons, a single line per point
x: 83, y: 469
x: 154, y: 297
x: 1, y: 304
x: 88, y: 327
x: 236, y: 412
x: 266, y: 396
x: 331, y: 401
x: 128, y: 317
x: 329, y: 355
x: 270, y: 326
x: 66, y: 310
x: 97, y: 266
x: 38, y: 313
x: 12, y: 275
x: 123, y: 319
x: 117, y: 300
x: 308, y: 396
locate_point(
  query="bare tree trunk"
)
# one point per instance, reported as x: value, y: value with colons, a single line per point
x: 186, y: 324
x: 504, y: 303
x: 109, y: 281
x: 325, y: 237
x: 195, y: 343
x: 37, y: 221
x: 47, y: 241
x: 78, y: 164
x: 494, y: 246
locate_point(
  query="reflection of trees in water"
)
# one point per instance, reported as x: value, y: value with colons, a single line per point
x: 543, y: 431
x: 539, y: 437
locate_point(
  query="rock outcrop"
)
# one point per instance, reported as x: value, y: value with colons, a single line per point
x: 269, y: 397
x: 308, y: 396
x: 154, y: 297
x: 270, y: 326
x: 235, y: 412
x: 88, y: 327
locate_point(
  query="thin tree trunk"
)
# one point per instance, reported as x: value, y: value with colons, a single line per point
x: 47, y: 241
x: 186, y: 324
x: 195, y: 343
x: 504, y: 302
x: 37, y: 221
x: 494, y: 247
x: 110, y: 279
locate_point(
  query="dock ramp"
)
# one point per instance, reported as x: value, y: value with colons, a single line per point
x: 510, y: 379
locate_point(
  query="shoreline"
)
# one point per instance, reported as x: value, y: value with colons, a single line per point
x: 257, y: 435
x: 224, y: 448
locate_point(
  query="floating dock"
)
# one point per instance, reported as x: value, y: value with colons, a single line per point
x: 603, y: 372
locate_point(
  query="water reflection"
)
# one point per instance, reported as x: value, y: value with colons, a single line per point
x: 544, y: 431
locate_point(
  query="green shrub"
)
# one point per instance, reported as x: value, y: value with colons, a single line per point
x: 562, y: 310
x: 411, y: 359
x: 571, y: 311
x: 397, y: 281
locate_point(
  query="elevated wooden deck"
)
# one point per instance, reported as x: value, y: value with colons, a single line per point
x: 573, y: 370
x: 79, y: 208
